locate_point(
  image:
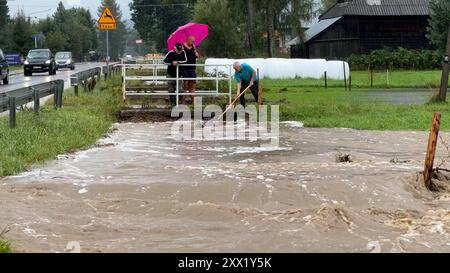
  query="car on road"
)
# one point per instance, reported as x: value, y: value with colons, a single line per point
x: 64, y: 60
x: 39, y: 60
x: 4, y: 68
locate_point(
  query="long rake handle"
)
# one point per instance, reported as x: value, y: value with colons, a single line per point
x: 232, y: 104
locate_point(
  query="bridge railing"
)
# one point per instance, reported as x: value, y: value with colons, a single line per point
x: 141, y: 80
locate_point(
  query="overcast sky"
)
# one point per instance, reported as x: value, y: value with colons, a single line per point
x: 42, y: 8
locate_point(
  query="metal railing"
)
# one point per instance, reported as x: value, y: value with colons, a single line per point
x: 156, y: 81
x: 87, y: 79
x: 109, y: 70
x: 9, y: 101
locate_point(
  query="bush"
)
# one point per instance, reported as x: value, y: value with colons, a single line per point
x: 399, y: 58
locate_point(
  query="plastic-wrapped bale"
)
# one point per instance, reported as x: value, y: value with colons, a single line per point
x: 286, y: 68
x: 210, y: 67
x: 305, y: 68
x: 260, y: 64
x: 335, y: 70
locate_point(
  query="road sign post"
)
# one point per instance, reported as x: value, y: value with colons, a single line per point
x: 107, y: 22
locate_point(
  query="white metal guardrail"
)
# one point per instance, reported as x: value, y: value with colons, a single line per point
x: 156, y: 82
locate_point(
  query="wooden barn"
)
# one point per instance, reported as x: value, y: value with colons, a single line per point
x: 360, y: 26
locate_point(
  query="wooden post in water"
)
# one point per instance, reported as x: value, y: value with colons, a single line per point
x: 431, y: 150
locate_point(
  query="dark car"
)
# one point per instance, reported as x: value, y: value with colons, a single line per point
x: 64, y: 60
x: 39, y: 60
x: 4, y: 68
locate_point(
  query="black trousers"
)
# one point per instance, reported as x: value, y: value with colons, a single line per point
x: 254, y: 89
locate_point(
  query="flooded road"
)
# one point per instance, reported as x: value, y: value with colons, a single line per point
x: 139, y: 190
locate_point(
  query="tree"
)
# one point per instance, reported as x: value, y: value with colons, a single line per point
x: 56, y: 41
x: 224, y: 35
x: 4, y: 14
x: 117, y: 37
x: 22, y: 31
x: 439, y: 23
x: 282, y: 14
x: 4, y: 29
x: 155, y: 20
x: 326, y: 5
x: 69, y: 30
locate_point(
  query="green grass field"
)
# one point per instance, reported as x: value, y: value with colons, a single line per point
x: 360, y: 79
x: 316, y: 106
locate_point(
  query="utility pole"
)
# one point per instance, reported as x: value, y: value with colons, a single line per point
x: 107, y: 46
x: 445, y: 70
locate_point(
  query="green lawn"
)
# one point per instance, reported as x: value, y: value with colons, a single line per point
x: 333, y: 107
x: 79, y: 124
x: 360, y: 79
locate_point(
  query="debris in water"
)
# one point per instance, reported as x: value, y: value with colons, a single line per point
x: 397, y: 161
x: 374, y: 247
x: 344, y: 158
x: 83, y: 191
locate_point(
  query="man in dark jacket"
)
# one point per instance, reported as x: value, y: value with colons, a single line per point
x: 173, y: 59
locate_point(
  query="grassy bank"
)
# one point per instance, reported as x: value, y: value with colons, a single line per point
x: 79, y: 124
x: 5, y: 246
x: 334, y: 107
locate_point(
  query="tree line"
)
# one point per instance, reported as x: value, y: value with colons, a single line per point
x: 249, y: 28
x: 68, y: 29
x: 237, y: 28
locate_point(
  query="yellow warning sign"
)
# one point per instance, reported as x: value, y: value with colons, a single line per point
x: 107, y: 21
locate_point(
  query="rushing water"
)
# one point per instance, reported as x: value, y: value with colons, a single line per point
x: 139, y: 190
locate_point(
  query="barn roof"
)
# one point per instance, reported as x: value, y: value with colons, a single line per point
x: 379, y: 8
x: 319, y: 27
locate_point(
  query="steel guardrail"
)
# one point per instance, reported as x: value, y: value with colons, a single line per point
x: 9, y: 101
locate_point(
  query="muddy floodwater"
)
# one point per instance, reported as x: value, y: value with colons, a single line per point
x: 139, y: 190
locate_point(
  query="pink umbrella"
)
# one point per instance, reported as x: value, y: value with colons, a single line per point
x: 199, y: 31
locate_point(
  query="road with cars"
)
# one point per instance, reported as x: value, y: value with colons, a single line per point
x: 18, y: 80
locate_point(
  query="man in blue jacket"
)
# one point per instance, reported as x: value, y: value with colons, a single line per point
x: 246, y: 76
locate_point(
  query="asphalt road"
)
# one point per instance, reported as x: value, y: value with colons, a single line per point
x: 18, y: 80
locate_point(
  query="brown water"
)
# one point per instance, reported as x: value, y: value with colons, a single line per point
x: 141, y: 191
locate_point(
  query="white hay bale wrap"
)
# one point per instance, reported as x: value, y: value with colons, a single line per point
x: 286, y: 68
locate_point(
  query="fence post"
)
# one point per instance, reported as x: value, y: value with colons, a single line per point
x: 350, y: 83
x: 55, y: 95
x: 371, y: 78
x: 76, y: 90
x: 345, y: 76
x: 37, y: 101
x: 12, y: 112
x: 326, y: 80
x: 431, y: 150
x: 60, y: 94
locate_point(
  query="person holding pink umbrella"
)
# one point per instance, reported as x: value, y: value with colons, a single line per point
x: 190, y: 72
x: 191, y: 35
